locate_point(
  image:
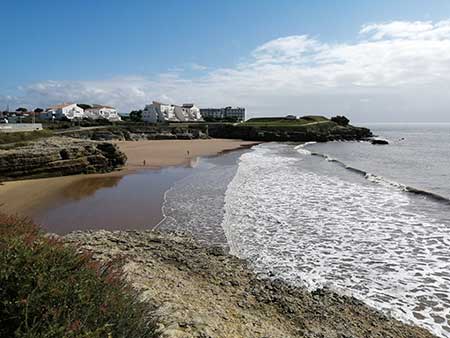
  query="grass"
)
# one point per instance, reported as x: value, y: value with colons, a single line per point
x: 50, y: 290
x: 7, y: 138
x: 282, y: 122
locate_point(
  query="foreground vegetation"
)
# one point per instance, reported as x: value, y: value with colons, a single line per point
x: 49, y: 290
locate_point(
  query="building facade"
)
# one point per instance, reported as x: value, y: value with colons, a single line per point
x: 72, y: 111
x: 103, y: 112
x: 158, y: 112
x: 237, y: 113
x: 69, y: 111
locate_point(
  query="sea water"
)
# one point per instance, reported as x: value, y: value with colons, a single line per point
x: 370, y: 221
x: 364, y: 220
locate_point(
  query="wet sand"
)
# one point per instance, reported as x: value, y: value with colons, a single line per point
x: 132, y: 202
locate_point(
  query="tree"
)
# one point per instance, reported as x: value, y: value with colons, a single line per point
x: 136, y: 116
x: 21, y: 110
x: 341, y: 120
x: 38, y: 110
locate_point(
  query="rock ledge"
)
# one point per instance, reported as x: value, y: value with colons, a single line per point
x: 203, y: 292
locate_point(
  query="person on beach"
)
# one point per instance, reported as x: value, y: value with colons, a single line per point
x: 144, y: 163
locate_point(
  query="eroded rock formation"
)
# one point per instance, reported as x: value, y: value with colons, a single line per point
x: 59, y: 156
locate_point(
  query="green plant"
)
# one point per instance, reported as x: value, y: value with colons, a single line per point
x: 50, y: 290
x: 24, y: 136
x: 341, y: 120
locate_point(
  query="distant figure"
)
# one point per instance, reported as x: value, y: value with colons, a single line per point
x: 188, y: 153
x: 144, y: 163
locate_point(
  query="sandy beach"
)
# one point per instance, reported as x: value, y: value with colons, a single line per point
x: 27, y: 197
x: 161, y: 153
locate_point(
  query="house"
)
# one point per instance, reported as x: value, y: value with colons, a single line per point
x: 158, y: 112
x: 237, y: 113
x: 100, y: 111
x: 68, y: 111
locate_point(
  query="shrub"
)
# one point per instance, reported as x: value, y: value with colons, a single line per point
x: 48, y: 289
x: 341, y: 120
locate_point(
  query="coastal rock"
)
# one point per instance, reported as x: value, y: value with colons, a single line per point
x: 139, y: 133
x: 201, y: 291
x: 379, y: 141
x: 323, y: 132
x: 59, y: 156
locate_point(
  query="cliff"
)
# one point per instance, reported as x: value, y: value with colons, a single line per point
x: 58, y: 156
x: 317, y: 131
x: 203, y: 292
x: 137, y: 132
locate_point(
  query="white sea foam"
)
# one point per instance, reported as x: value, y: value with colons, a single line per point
x: 301, y: 148
x: 195, y: 204
x: 318, y: 230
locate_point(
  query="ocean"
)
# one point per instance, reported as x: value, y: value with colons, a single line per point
x: 372, y: 221
x: 365, y: 220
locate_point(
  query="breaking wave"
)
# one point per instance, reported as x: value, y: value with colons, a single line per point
x: 376, y: 178
x: 320, y: 230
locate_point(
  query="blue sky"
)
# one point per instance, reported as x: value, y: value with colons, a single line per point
x: 109, y: 50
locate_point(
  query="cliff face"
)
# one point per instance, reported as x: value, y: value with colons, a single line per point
x: 140, y: 132
x: 57, y: 156
x: 203, y: 292
x: 320, y: 133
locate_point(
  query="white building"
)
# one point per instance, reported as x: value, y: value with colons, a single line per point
x: 61, y: 111
x: 158, y: 112
x: 104, y: 112
x: 237, y: 113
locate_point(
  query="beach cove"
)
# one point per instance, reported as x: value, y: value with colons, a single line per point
x: 123, y: 199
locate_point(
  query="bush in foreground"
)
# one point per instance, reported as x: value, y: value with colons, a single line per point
x: 49, y: 290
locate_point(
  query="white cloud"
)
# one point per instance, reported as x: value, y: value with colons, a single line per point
x: 394, y: 71
x: 408, y: 30
x: 198, y: 67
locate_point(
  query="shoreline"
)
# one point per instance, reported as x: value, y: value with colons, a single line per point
x: 30, y: 196
x: 200, y: 291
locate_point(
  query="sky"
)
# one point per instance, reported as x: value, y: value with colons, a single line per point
x: 373, y: 61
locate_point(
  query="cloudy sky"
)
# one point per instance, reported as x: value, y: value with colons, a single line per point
x: 373, y: 62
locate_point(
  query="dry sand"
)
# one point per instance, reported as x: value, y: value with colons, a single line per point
x: 161, y: 153
x: 26, y: 197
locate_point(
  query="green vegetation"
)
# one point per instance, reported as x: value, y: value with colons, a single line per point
x: 225, y: 119
x: 284, y: 122
x: 50, y: 290
x: 136, y: 116
x: 341, y: 120
x: 21, y: 137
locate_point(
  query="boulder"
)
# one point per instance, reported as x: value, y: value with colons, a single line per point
x: 379, y: 142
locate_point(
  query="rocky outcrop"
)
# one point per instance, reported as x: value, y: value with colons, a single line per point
x: 58, y: 156
x: 319, y: 132
x: 203, y: 292
x: 140, y: 132
x: 379, y: 142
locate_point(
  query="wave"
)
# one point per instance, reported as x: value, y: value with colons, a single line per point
x: 318, y: 231
x: 301, y: 148
x: 376, y: 178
